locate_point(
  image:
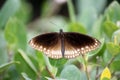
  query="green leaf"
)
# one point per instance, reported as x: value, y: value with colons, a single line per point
x: 9, y: 9
x: 71, y: 11
x: 25, y: 65
x: 3, y: 49
x: 15, y: 34
x: 24, y: 12
x: 106, y: 57
x: 112, y: 48
x: 97, y: 29
x: 114, y: 65
x: 58, y: 62
x: 112, y: 13
x: 6, y: 65
x: 88, y: 11
x: 27, y: 60
x: 25, y: 76
x: 40, y: 60
x: 51, y: 68
x: 109, y: 27
x: 116, y: 36
x: 76, y: 27
x: 71, y: 72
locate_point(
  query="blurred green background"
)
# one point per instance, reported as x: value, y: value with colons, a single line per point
x: 21, y: 20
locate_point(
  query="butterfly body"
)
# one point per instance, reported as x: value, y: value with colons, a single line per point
x: 64, y: 44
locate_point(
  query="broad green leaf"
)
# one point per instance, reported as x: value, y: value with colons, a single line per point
x: 76, y: 27
x: 112, y: 48
x: 112, y: 13
x: 114, y: 65
x: 6, y: 65
x: 9, y: 9
x: 109, y: 27
x: 15, y: 34
x: 27, y: 60
x: 71, y: 72
x: 106, y: 74
x: 25, y: 65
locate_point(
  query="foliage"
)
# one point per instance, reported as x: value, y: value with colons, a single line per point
x: 18, y: 61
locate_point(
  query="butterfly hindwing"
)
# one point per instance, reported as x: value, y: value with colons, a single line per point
x: 76, y: 44
x: 48, y: 43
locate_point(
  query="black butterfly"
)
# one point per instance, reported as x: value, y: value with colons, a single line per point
x: 64, y: 44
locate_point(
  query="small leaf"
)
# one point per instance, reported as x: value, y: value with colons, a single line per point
x: 109, y: 27
x: 112, y: 48
x: 105, y: 74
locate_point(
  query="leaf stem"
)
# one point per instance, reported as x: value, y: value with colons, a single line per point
x: 110, y: 61
x: 52, y: 76
x: 97, y: 68
x: 49, y: 67
x: 85, y: 67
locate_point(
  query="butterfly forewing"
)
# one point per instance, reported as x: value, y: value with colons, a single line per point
x: 48, y: 43
x: 76, y: 44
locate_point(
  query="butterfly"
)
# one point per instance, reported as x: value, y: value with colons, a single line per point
x: 64, y: 44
